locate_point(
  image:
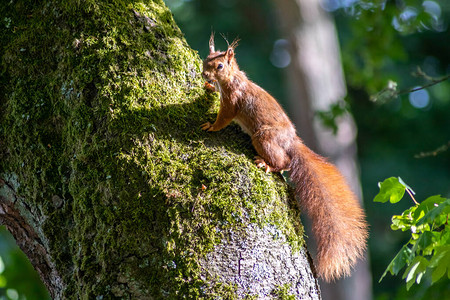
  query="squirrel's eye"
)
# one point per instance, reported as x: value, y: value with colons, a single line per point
x: 219, y: 66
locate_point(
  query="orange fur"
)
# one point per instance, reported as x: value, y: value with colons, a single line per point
x: 337, y: 218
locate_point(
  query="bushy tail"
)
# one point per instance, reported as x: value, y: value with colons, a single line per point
x: 338, y: 221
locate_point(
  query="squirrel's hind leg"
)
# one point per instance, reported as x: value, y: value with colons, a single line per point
x: 271, y: 156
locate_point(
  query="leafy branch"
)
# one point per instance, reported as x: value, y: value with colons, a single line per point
x: 427, y: 253
x: 432, y: 81
x: 391, y: 91
x: 330, y: 117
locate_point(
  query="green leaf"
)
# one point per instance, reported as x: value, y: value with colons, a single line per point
x: 440, y: 261
x: 427, y: 205
x: 405, y: 185
x: 3, y: 282
x: 399, y: 261
x: 445, y: 236
x: 433, y: 214
x: 415, y: 271
x: 423, y: 242
x: 438, y: 273
x: 390, y: 190
x: 329, y: 117
x: 439, y: 253
x: 403, y: 221
x: 437, y: 241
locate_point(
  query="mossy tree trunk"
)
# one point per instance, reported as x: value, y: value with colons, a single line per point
x: 106, y: 181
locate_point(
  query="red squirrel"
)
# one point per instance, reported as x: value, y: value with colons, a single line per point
x: 338, y: 221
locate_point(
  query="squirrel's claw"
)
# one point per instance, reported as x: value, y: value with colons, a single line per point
x: 209, y: 87
x: 260, y: 163
x: 206, y: 126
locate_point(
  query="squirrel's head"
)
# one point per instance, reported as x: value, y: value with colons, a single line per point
x: 219, y: 65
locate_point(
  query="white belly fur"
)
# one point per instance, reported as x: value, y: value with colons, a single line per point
x: 244, y: 128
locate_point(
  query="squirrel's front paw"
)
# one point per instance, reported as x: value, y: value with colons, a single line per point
x: 209, y: 87
x: 207, y: 126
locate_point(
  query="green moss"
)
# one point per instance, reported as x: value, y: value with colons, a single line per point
x: 102, y: 108
x: 282, y: 293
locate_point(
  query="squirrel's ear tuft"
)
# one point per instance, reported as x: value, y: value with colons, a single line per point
x: 234, y: 44
x: 230, y: 54
x: 211, y: 43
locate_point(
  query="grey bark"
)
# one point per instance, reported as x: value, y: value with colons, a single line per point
x: 23, y: 223
x: 261, y: 263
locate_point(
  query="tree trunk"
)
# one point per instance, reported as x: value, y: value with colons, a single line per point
x: 316, y: 82
x: 106, y: 181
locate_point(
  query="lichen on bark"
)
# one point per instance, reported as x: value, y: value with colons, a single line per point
x: 101, y: 106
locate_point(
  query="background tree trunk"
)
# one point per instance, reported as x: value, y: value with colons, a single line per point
x: 107, y: 182
x: 316, y: 82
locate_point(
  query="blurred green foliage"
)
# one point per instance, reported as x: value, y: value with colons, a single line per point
x: 18, y: 279
x: 377, y: 33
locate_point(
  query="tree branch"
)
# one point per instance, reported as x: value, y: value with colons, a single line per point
x: 433, y: 81
x: 28, y: 240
